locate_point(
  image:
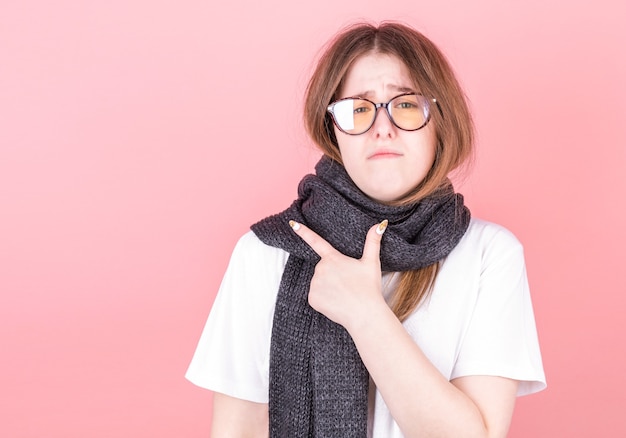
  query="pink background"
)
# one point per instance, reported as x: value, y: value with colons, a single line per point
x: 138, y: 140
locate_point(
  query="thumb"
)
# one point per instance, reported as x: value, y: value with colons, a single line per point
x: 371, y: 250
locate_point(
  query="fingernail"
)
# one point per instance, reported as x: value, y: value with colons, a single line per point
x: 382, y: 227
x: 295, y: 225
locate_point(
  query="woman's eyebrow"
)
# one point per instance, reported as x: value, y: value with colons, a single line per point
x: 402, y: 89
x: 398, y: 88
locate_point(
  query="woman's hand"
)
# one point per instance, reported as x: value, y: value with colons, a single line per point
x: 421, y: 400
x: 343, y: 288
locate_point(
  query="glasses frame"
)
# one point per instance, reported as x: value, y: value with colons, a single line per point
x: 385, y: 105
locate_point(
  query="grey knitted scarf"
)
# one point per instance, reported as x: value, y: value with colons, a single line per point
x: 318, y: 384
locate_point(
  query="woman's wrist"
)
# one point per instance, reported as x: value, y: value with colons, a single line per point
x: 369, y: 312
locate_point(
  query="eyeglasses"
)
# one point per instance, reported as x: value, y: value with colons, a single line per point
x: 355, y: 115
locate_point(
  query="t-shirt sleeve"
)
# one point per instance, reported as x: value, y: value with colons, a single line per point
x: 232, y: 356
x: 501, y: 339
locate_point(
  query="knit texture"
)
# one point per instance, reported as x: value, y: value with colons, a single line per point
x: 318, y: 383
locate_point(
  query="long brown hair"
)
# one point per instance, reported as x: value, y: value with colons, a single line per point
x: 431, y: 72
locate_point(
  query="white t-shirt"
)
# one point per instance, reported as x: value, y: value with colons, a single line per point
x: 478, y: 320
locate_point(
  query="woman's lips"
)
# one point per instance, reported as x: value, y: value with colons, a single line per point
x: 384, y: 153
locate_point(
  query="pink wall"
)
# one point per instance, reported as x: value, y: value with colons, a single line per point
x: 139, y: 139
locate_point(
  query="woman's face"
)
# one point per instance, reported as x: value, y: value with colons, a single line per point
x: 385, y: 162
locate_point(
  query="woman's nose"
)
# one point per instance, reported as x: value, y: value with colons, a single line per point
x: 383, y: 127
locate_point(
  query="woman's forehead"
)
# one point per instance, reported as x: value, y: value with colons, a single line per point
x: 374, y: 74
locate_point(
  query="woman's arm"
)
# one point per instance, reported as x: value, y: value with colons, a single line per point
x: 236, y: 418
x: 421, y: 400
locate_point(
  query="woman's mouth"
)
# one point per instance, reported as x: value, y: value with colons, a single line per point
x: 384, y: 153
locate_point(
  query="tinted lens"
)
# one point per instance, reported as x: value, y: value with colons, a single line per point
x: 354, y: 116
x: 409, y: 112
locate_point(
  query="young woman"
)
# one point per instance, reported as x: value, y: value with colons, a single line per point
x: 374, y: 305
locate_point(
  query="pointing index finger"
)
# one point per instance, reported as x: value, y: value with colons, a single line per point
x: 314, y: 240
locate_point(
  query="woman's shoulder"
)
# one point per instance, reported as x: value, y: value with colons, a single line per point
x: 253, y: 275
x: 486, y: 244
x: 251, y: 252
x: 487, y: 235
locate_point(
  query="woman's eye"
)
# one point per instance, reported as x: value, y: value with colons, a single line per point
x: 406, y: 105
x: 361, y: 109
